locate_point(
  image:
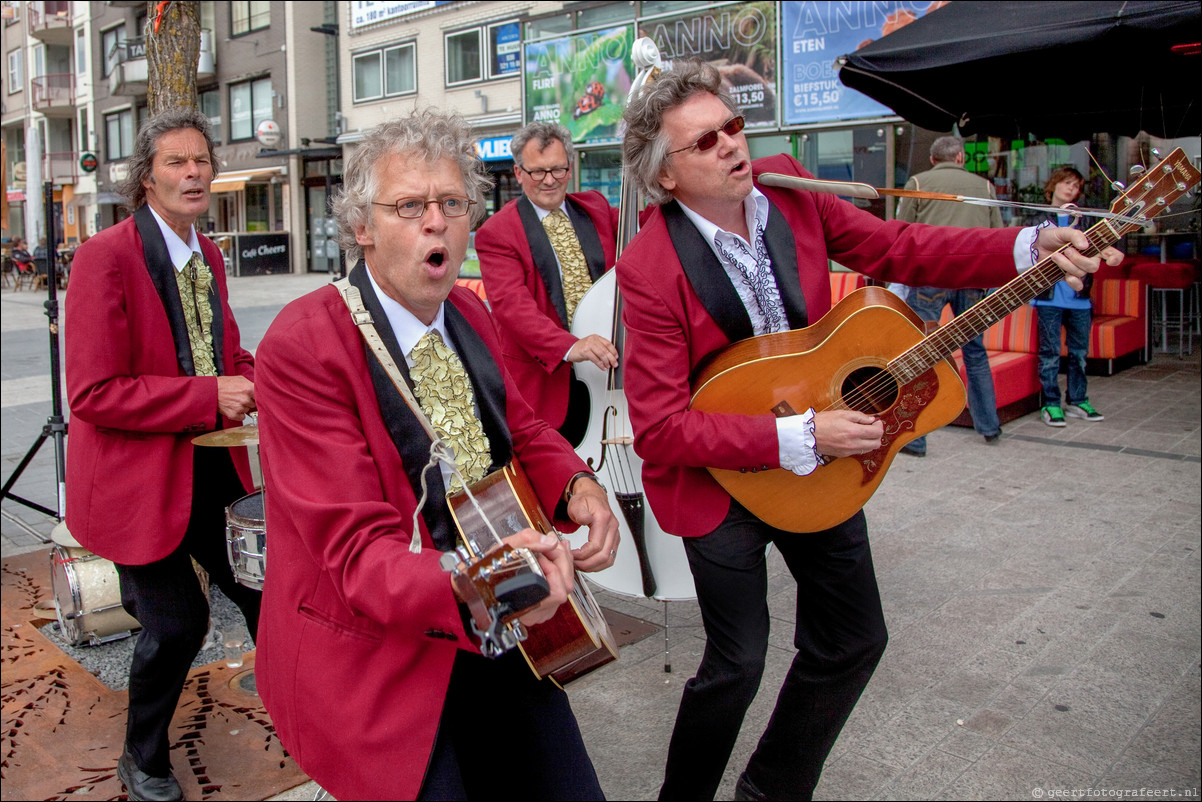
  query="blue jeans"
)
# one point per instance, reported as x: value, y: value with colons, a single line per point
x: 928, y: 303
x: 1076, y: 325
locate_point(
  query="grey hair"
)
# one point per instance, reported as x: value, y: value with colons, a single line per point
x: 544, y: 134
x: 946, y: 148
x: 146, y: 147
x: 428, y: 136
x: 645, y: 146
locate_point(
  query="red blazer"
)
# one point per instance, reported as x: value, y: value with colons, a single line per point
x: 346, y: 604
x: 133, y: 412
x: 533, y: 334
x: 669, y: 332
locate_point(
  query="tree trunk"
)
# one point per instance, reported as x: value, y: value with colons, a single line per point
x: 172, y: 52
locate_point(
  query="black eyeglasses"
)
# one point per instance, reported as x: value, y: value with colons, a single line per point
x: 413, y: 208
x: 538, y: 175
x: 710, y: 138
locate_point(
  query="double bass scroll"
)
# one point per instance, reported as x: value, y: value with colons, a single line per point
x: 653, y: 563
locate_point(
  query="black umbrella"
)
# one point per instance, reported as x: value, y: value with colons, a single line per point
x: 1063, y: 69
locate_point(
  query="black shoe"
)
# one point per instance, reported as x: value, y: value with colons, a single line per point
x: 141, y: 786
x: 992, y: 439
x: 913, y: 452
x: 745, y: 791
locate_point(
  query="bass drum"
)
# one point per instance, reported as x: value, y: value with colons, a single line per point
x: 621, y: 470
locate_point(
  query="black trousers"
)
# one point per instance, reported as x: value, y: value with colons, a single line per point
x: 166, y: 598
x: 840, y: 636
x: 529, y: 747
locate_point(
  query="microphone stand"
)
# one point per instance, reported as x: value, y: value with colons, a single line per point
x: 55, y: 426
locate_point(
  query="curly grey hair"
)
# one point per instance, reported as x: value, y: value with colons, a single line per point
x: 428, y: 135
x: 645, y: 146
x: 146, y: 147
x: 543, y: 133
x: 946, y: 148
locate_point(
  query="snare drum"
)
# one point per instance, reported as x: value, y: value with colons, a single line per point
x: 87, y: 597
x: 246, y: 540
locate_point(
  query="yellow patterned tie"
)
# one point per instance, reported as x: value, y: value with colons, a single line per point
x: 194, y: 282
x: 576, y: 278
x: 444, y: 389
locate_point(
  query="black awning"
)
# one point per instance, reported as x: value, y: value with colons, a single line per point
x: 1063, y: 69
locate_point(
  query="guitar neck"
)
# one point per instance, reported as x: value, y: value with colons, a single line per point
x: 1020, y: 290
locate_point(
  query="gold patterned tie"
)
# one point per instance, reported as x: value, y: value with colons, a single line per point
x: 194, y: 282
x: 576, y: 278
x: 444, y: 389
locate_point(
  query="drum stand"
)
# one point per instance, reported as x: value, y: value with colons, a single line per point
x: 55, y: 426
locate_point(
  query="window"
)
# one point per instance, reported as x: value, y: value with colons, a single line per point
x: 249, y: 15
x: 397, y: 76
x: 250, y: 104
x: 82, y: 128
x: 14, y: 71
x: 108, y: 45
x: 118, y: 135
x: 81, y: 51
x: 210, y: 106
x: 467, y: 58
x: 463, y: 57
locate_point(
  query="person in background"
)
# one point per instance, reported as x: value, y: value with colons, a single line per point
x: 153, y: 359
x: 538, y: 256
x: 1068, y: 308
x: 947, y: 175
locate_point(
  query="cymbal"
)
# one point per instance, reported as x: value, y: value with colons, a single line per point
x: 247, y: 435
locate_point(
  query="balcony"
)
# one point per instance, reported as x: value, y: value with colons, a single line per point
x: 61, y: 168
x: 51, y: 22
x: 127, y: 3
x: 53, y: 95
x: 129, y: 70
x: 128, y: 67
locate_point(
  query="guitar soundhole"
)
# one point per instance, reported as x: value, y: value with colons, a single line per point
x: 869, y: 390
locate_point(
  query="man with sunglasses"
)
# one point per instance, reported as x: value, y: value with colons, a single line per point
x: 722, y: 259
x: 538, y: 256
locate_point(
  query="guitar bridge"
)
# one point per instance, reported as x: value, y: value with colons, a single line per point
x: 783, y: 410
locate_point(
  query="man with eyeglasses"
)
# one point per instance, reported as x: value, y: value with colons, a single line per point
x: 538, y: 256
x: 722, y: 259
x: 359, y: 514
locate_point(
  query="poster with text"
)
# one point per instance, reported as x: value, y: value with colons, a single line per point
x: 580, y: 82
x: 814, y: 35
x: 738, y: 39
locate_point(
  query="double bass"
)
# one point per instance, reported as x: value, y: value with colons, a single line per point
x: 652, y: 563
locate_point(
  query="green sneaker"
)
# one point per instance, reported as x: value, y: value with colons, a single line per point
x: 1083, y: 410
x: 1053, y: 416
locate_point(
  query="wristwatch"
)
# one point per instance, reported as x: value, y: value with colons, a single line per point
x: 567, y: 494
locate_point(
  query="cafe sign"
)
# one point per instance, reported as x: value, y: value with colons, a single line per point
x: 88, y: 162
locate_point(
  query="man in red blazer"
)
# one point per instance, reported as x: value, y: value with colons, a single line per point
x: 525, y: 280
x: 722, y: 259
x: 152, y: 360
x: 354, y: 597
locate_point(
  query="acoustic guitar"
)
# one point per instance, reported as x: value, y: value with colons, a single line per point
x: 868, y: 354
x: 506, y: 582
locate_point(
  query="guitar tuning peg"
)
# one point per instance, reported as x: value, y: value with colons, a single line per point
x: 1136, y: 170
x: 1156, y: 152
x: 1118, y: 185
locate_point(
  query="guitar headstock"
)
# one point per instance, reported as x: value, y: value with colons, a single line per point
x: 497, y: 587
x: 1154, y: 191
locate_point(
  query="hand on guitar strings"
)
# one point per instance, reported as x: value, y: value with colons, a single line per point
x: 589, y: 506
x: 596, y: 349
x: 1071, y: 260
x: 846, y: 432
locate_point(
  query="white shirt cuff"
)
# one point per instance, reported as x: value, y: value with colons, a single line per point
x: 795, y: 440
x: 1025, y: 252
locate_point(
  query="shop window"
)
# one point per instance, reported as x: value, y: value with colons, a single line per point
x: 250, y: 104
x: 257, y: 213
x: 385, y: 73
x: 463, y: 57
x: 210, y: 106
x: 119, y: 135
x: 14, y: 71
x: 249, y: 15
x: 602, y: 170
